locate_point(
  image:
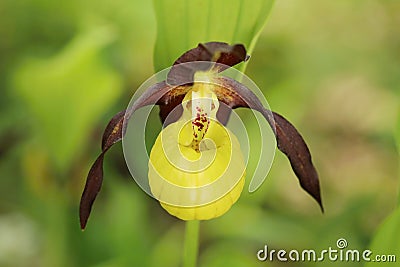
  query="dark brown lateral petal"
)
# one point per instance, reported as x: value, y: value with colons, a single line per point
x: 113, y: 134
x: 294, y: 147
x: 92, y: 188
x: 289, y: 141
x: 113, y: 131
x: 236, y: 95
x: 224, y: 54
x: 166, y: 116
x: 159, y: 93
x: 171, y: 100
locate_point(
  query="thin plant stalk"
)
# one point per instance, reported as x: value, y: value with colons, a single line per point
x: 191, y: 245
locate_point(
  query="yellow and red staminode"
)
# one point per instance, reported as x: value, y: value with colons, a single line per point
x: 195, y: 149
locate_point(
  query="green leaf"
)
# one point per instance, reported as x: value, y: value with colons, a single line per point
x: 182, y: 24
x: 397, y: 138
x: 167, y: 251
x: 386, y: 241
x: 65, y: 94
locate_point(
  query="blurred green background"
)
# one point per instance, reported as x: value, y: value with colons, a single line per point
x: 330, y: 67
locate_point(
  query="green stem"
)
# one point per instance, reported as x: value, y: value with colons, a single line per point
x: 191, y: 248
x: 56, y: 231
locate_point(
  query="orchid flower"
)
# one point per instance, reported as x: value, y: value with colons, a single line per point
x: 195, y: 149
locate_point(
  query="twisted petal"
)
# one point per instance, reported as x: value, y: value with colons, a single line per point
x: 113, y: 134
x: 293, y: 146
x: 290, y: 142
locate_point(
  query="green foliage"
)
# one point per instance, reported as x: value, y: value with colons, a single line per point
x: 182, y: 24
x: 386, y: 241
x: 397, y: 132
x: 64, y: 94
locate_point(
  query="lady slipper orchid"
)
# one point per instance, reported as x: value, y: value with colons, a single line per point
x: 196, y: 167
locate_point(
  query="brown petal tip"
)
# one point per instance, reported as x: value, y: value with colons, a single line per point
x: 92, y: 188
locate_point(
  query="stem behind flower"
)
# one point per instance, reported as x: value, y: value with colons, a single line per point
x: 191, y: 246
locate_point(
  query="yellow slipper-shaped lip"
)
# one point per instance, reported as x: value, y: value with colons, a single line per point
x: 196, y: 168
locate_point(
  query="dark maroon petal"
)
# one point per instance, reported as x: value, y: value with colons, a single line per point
x: 219, y: 52
x: 92, y: 188
x: 236, y: 95
x: 171, y: 100
x: 156, y: 94
x: 209, y: 53
x: 294, y: 147
x: 159, y: 94
x: 113, y: 131
x: 172, y: 111
x: 289, y: 141
x: 113, y: 134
